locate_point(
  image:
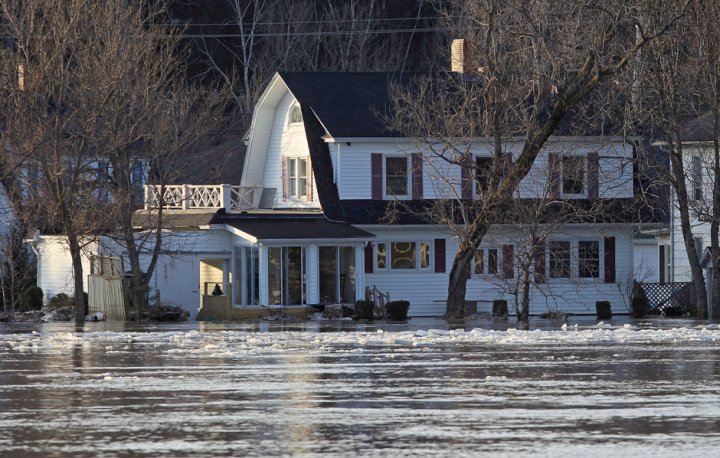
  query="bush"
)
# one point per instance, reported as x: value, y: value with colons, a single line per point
x: 639, y: 307
x: 364, y: 310
x: 32, y: 298
x: 603, y: 310
x: 397, y: 310
x: 500, y: 308
x: 60, y: 300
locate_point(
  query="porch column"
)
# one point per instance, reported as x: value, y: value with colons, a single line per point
x: 263, y: 274
x: 359, y: 271
x: 226, y: 278
x: 312, y: 274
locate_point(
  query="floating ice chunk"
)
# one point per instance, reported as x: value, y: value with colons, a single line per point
x: 564, y: 327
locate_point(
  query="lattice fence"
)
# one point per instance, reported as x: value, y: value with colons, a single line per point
x: 665, y: 296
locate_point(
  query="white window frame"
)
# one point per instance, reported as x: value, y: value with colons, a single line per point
x: 584, y: 194
x: 485, y: 249
x: 408, y: 177
x: 389, y: 261
x: 293, y: 108
x: 696, y: 176
x: 601, y: 259
x: 575, y: 259
x: 292, y: 172
x: 476, y: 185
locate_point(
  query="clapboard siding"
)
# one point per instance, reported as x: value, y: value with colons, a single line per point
x: 353, y: 169
x: 427, y: 291
x: 54, y: 273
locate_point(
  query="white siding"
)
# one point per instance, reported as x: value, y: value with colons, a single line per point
x: 353, y: 170
x: 427, y: 291
x: 646, y: 260
x: 54, y: 268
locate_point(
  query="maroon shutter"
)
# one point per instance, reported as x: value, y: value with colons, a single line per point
x: 508, y: 271
x: 417, y: 176
x: 554, y: 175
x: 284, y: 178
x: 369, y: 261
x: 539, y: 262
x: 377, y: 175
x: 440, y: 255
x: 661, y: 262
x: 609, y: 259
x: 466, y: 181
x: 593, y: 168
x: 309, y: 180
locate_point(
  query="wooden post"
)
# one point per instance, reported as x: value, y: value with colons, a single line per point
x: 226, y: 197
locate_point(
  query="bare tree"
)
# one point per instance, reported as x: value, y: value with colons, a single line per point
x: 534, y: 67
x: 96, y: 99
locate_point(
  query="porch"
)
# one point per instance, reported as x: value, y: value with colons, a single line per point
x: 202, y: 197
x: 284, y: 261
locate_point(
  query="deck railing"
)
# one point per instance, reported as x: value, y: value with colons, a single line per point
x: 200, y: 197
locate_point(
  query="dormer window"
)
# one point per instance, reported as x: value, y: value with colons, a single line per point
x: 295, y: 115
x: 297, y: 178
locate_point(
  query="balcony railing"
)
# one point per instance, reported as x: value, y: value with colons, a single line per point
x: 203, y: 197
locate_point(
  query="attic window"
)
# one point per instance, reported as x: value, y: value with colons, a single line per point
x: 295, y: 116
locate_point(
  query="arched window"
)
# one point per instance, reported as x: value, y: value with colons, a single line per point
x: 295, y: 115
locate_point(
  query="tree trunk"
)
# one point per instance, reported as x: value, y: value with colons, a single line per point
x: 457, y: 285
x: 76, y: 256
x: 523, y: 314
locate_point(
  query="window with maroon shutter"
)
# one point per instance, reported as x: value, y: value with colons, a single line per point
x: 284, y: 178
x: 369, y: 261
x: 609, y: 259
x: 554, y: 175
x: 309, y: 180
x: 376, y: 165
x: 440, y: 255
x: 466, y: 180
x: 593, y: 167
x: 417, y: 176
x: 508, y: 271
x: 539, y: 263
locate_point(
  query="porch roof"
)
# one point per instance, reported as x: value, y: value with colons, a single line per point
x: 291, y: 227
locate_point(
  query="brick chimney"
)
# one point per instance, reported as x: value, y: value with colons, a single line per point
x: 462, y: 58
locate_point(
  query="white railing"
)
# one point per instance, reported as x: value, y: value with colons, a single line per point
x: 201, y: 197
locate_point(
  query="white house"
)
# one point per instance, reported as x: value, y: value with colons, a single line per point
x: 306, y: 224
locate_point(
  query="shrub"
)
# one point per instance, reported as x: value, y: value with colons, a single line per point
x: 397, y: 310
x: 639, y: 307
x: 500, y: 308
x: 364, y: 310
x: 603, y: 310
x: 60, y: 300
x: 32, y: 298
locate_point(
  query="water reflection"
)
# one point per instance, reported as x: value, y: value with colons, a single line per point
x: 292, y: 388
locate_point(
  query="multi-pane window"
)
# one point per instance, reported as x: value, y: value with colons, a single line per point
x: 483, y: 168
x: 297, y: 177
x: 486, y: 261
x: 402, y: 255
x: 492, y: 261
x: 589, y: 259
x: 697, y: 178
x: 573, y: 170
x: 295, y: 115
x: 559, y: 259
x: 396, y: 175
x: 480, y: 262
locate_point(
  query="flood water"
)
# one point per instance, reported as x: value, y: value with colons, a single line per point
x: 346, y: 389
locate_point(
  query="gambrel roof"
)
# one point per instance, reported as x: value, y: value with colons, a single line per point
x: 349, y: 105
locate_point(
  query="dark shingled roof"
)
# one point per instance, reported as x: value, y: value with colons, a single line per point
x: 698, y: 129
x: 172, y: 219
x: 349, y: 104
x: 293, y: 227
